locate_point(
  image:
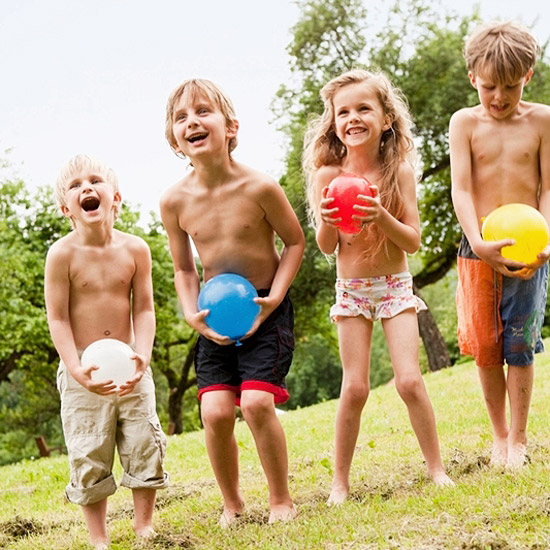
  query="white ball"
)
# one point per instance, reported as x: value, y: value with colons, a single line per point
x: 113, y: 359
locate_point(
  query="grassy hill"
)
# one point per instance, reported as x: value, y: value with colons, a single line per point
x: 393, y: 504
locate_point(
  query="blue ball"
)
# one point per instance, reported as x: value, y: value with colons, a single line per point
x: 230, y: 299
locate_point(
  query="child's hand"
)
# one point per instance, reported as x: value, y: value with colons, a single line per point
x: 83, y: 375
x: 490, y: 253
x: 368, y: 208
x: 267, y: 306
x: 328, y: 214
x: 530, y: 270
x: 197, y: 322
x: 141, y: 367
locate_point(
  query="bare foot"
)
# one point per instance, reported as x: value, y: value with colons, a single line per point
x: 146, y: 533
x: 229, y: 518
x: 499, y: 454
x: 100, y: 545
x: 517, y: 456
x: 441, y: 479
x: 337, y: 496
x: 282, y: 513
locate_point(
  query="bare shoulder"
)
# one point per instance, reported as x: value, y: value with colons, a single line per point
x: 465, y: 117
x: 62, y: 249
x: 173, y: 196
x: 406, y: 177
x: 325, y: 174
x: 132, y: 242
x: 540, y: 114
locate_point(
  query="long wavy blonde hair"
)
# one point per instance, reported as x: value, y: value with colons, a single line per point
x: 322, y: 147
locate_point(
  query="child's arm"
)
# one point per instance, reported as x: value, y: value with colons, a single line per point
x: 544, y: 161
x: 405, y: 231
x: 462, y: 196
x: 143, y: 312
x: 56, y: 293
x: 282, y: 218
x: 327, y: 235
x: 186, y: 277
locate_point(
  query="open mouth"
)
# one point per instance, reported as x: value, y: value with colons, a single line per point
x: 89, y: 204
x: 197, y: 137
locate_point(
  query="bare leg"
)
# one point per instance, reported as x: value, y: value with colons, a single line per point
x: 144, y: 506
x: 259, y: 412
x: 403, y: 343
x: 520, y: 388
x: 493, y: 384
x: 96, y: 520
x: 354, y: 337
x: 218, y: 416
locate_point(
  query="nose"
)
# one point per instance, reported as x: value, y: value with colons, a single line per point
x: 86, y: 186
x: 353, y: 115
x: 499, y: 93
x: 192, y: 120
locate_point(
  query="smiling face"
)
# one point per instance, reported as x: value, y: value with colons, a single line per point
x: 87, y: 191
x: 90, y: 198
x: 358, y: 115
x: 184, y: 106
x: 499, y: 99
x: 199, y: 126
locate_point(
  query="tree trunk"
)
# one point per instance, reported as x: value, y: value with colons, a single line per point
x: 434, y: 344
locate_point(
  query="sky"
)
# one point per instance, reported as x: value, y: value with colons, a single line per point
x: 93, y: 77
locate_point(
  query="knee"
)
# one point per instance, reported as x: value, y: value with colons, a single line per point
x: 409, y: 387
x: 257, y: 406
x: 218, y: 418
x: 356, y: 393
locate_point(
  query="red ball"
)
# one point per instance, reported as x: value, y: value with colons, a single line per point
x: 344, y: 190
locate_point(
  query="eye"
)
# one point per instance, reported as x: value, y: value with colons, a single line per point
x: 74, y: 185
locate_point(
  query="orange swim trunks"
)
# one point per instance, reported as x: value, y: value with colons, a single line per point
x: 499, y: 318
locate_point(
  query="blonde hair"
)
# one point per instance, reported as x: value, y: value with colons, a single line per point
x: 504, y: 51
x: 78, y: 164
x: 192, y: 89
x: 322, y: 147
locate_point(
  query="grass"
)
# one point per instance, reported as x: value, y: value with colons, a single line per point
x: 393, y: 504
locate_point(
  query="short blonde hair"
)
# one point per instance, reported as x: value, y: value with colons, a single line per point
x: 83, y: 163
x: 193, y: 88
x: 504, y: 51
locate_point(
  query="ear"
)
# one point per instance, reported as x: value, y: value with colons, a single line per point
x: 65, y: 210
x: 232, y: 129
x: 472, y: 78
x: 117, y: 199
x: 388, y: 121
x: 528, y: 76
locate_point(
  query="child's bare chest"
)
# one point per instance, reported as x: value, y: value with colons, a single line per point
x: 508, y: 145
x: 227, y: 217
x: 104, y: 272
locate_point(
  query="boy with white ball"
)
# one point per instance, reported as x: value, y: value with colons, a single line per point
x: 98, y: 286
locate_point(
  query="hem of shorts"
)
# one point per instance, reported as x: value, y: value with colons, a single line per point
x: 280, y: 394
x: 334, y: 317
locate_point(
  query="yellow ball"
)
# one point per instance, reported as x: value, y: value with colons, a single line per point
x: 521, y: 222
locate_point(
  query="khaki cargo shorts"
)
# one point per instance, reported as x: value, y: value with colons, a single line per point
x: 95, y: 425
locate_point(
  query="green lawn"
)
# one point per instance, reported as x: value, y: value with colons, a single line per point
x: 393, y: 504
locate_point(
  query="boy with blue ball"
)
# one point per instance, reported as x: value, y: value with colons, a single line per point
x: 232, y: 214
